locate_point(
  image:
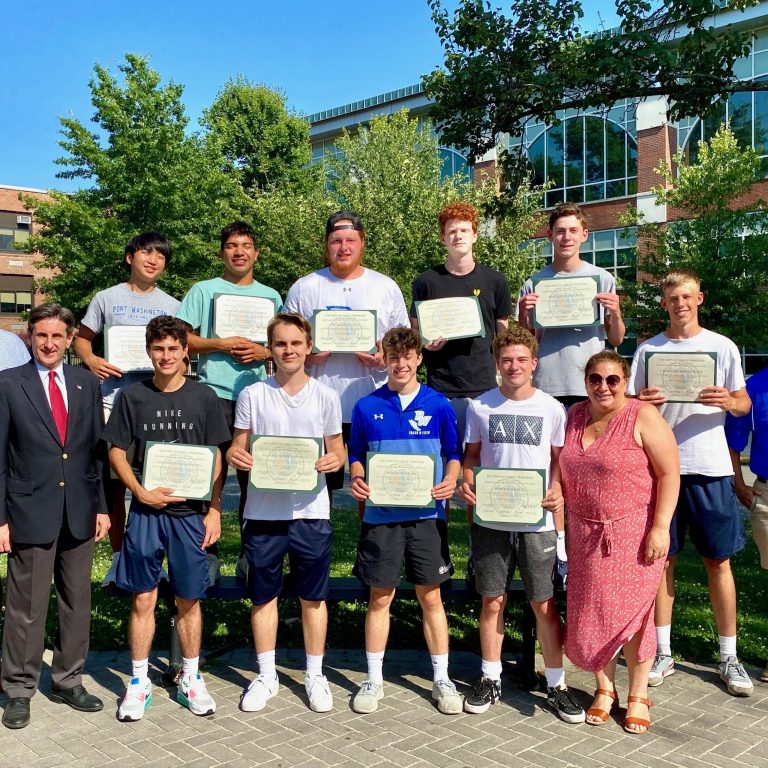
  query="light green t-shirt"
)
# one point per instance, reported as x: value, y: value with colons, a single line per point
x: 218, y: 370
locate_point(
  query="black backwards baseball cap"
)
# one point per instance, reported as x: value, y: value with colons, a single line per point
x: 345, y: 217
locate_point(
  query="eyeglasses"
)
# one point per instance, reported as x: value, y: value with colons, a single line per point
x: 613, y: 380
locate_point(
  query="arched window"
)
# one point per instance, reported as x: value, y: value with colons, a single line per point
x: 586, y: 158
x: 453, y: 162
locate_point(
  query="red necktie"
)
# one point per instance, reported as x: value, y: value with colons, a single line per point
x: 58, y: 408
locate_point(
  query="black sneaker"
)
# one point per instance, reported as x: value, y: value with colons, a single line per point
x: 485, y: 693
x: 565, y: 705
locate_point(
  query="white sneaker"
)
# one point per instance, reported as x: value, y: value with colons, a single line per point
x: 138, y: 697
x: 258, y: 693
x: 318, y: 693
x: 448, y: 699
x: 663, y: 666
x: 735, y: 677
x: 193, y: 694
x: 367, y: 699
x: 112, y: 572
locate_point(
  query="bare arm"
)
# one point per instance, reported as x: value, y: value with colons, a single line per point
x: 614, y: 322
x: 241, y: 350
x: 736, y: 403
x: 212, y: 519
x: 238, y: 455
x: 157, y: 498
x: 658, y: 442
x: 744, y: 493
x: 445, y: 488
x: 83, y: 345
x: 467, y: 488
x: 335, y: 454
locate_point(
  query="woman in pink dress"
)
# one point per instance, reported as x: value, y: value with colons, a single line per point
x: 621, y: 476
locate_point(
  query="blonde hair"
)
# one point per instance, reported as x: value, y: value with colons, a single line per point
x: 680, y: 277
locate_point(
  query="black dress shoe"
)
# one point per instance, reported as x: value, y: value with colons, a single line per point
x: 16, y: 713
x: 78, y: 698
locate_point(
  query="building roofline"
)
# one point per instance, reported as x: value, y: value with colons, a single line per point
x: 362, y: 104
x: 23, y: 189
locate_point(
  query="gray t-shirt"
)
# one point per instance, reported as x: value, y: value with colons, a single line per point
x: 119, y: 305
x: 563, y: 352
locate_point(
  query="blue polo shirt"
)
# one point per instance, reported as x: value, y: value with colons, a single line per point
x: 738, y: 428
x: 426, y: 426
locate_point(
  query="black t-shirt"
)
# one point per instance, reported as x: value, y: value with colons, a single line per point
x: 465, y: 367
x: 191, y: 415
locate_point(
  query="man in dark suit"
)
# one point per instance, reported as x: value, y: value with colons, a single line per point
x: 52, y: 509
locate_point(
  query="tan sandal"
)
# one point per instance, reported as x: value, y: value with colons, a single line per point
x: 601, y: 713
x: 645, y: 722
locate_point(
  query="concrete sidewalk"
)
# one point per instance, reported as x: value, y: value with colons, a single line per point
x: 696, y: 724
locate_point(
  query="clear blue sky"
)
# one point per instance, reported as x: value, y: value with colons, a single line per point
x: 320, y: 53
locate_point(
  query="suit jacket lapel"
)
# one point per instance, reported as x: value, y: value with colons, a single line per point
x: 33, y: 387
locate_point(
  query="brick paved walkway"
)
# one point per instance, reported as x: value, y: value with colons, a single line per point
x: 696, y: 724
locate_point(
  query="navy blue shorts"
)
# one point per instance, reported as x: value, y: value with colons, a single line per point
x: 149, y: 536
x: 708, y: 509
x: 308, y: 544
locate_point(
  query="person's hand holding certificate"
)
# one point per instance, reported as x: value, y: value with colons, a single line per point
x: 187, y: 470
x: 509, y: 496
x: 344, y: 330
x: 245, y: 316
x: 400, y: 479
x: 125, y: 346
x: 453, y: 318
x: 680, y: 376
x: 566, y: 302
x: 285, y: 463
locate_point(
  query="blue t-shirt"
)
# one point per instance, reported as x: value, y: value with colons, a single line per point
x: 737, y: 428
x: 218, y: 369
x: 426, y: 426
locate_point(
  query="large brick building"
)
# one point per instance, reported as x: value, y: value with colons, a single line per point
x: 18, y: 269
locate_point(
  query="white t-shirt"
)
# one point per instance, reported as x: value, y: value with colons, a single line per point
x: 699, y: 429
x: 265, y: 409
x: 516, y: 434
x: 563, y: 352
x: 344, y: 373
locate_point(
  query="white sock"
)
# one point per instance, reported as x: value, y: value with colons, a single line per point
x: 491, y: 670
x: 314, y: 665
x: 140, y: 668
x: 266, y: 661
x: 555, y: 677
x: 439, y: 667
x: 727, y: 646
x: 664, y: 640
x: 375, y: 666
x: 189, y: 666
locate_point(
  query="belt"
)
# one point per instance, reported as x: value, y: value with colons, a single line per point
x: 761, y: 479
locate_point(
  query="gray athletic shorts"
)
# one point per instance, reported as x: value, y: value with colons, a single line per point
x: 496, y: 554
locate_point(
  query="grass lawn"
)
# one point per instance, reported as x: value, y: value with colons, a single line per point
x: 694, y: 636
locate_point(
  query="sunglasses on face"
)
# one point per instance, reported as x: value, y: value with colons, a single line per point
x: 613, y: 380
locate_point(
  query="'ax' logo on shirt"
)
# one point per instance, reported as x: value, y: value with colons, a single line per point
x: 419, y: 421
x: 512, y: 428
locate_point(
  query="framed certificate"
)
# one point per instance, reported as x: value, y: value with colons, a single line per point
x: 285, y: 463
x: 681, y: 375
x: 344, y: 330
x: 246, y: 316
x: 187, y: 469
x: 401, y: 479
x: 566, y: 302
x: 511, y: 496
x: 126, y: 347
x: 458, y: 317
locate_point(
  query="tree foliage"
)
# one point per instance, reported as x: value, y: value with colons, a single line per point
x: 262, y: 143
x: 504, y: 70
x: 142, y: 171
x: 722, y: 238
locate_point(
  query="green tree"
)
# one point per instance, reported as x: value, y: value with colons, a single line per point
x: 504, y: 70
x: 262, y: 143
x: 722, y: 238
x: 141, y: 170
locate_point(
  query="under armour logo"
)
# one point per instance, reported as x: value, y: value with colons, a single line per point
x: 378, y: 415
x: 346, y: 290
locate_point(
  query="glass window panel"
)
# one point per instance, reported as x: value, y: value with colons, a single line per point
x: 761, y: 122
x: 536, y: 154
x: 631, y: 157
x: 554, y: 197
x: 740, y: 115
x: 555, y: 155
x: 594, y: 192
x: 21, y: 235
x: 593, y: 159
x: 604, y: 259
x: 615, y: 146
x: 8, y: 302
x: 632, y: 186
x: 742, y: 68
x: 714, y: 119
x: 761, y: 63
x: 575, y: 195
x: 574, y: 153
x: 616, y: 188
x: 761, y: 39
x: 630, y: 238
x: 6, y: 242
x: 604, y: 240
x: 624, y: 257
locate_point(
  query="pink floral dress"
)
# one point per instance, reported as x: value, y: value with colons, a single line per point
x: 610, y: 498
